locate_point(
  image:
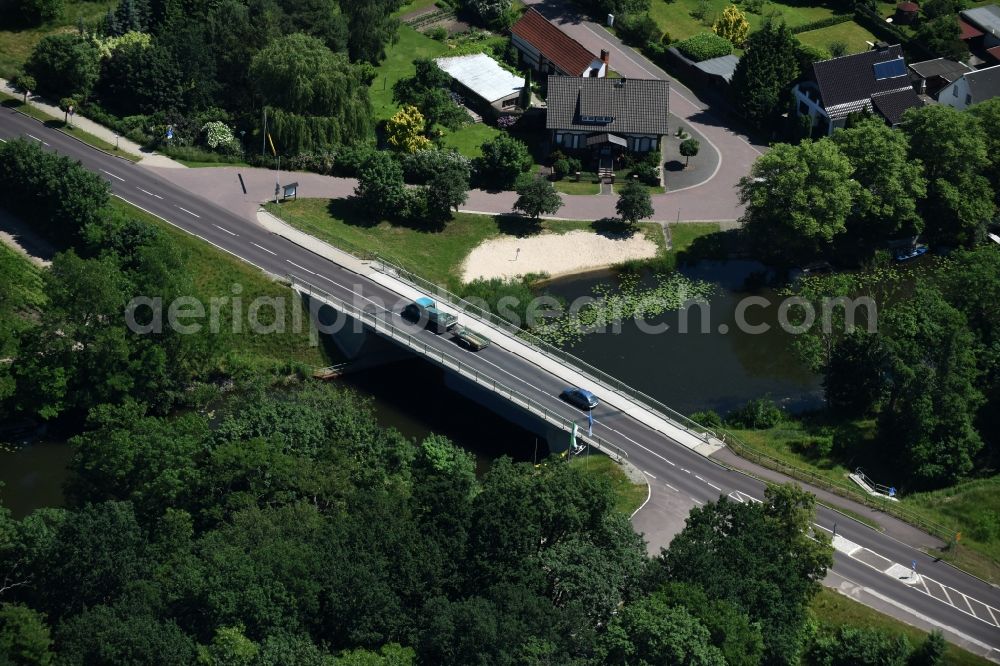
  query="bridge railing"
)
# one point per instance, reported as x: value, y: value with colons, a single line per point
x: 597, y: 376
x: 380, y: 320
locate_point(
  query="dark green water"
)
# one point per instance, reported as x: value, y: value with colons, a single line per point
x: 704, y: 368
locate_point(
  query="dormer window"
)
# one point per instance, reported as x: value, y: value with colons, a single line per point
x: 596, y: 119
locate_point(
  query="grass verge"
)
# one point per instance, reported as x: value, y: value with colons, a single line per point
x: 215, y: 273
x: 826, y: 452
x: 435, y: 254
x: 834, y: 609
x: 57, y: 123
x: 587, y: 185
x: 17, y: 45
x: 24, y: 276
x: 628, y: 496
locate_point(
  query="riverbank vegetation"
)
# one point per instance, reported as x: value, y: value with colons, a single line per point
x: 78, y: 351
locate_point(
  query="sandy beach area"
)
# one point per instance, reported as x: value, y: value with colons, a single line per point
x: 552, y: 254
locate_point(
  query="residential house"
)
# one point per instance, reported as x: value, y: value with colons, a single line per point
x: 547, y: 49
x: 930, y: 76
x: 607, y: 116
x: 482, y: 78
x: 972, y: 88
x: 875, y: 81
x: 980, y: 30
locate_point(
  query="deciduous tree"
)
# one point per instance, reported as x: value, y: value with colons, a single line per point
x: 503, y: 160
x: 952, y: 147
x: 732, y: 25
x: 64, y: 65
x: 381, y: 191
x: 634, y: 203
x: 404, y: 131
x: 537, y: 196
x: 689, y: 148
x: 798, y: 199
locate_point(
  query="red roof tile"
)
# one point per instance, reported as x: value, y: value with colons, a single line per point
x: 562, y: 50
x: 968, y: 31
x: 995, y: 52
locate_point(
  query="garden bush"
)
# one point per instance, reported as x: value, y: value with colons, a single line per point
x: 757, y: 414
x: 704, y: 46
x: 836, y: 19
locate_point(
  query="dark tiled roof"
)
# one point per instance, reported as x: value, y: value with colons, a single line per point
x: 984, y: 84
x: 949, y: 70
x: 851, y: 79
x: 568, y: 54
x: 892, y: 105
x: 985, y: 18
x: 635, y: 106
x: 967, y: 30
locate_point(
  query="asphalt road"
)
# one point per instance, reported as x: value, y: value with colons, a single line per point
x: 967, y: 608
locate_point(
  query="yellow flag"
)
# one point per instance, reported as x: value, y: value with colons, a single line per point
x: 272, y: 144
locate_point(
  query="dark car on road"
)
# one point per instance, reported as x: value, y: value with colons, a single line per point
x: 581, y: 398
x: 469, y: 339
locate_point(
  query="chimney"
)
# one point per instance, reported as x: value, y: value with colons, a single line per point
x: 604, y: 56
x: 881, y: 46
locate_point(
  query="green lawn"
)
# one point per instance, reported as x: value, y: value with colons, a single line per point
x: 398, y: 64
x: 436, y: 255
x: 26, y: 276
x: 684, y: 234
x: 834, y: 609
x: 17, y: 45
x: 675, y: 18
x: 214, y: 274
x: 972, y: 508
x: 587, y: 185
x: 628, y: 496
x: 58, y: 123
x: 850, y: 33
x: 412, y: 6
x: 468, y: 140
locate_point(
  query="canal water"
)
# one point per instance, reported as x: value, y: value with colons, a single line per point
x: 688, y: 371
x: 718, y: 366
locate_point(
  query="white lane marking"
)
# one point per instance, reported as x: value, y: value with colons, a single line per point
x: 114, y: 176
x: 189, y: 212
x: 224, y: 229
x: 648, y: 474
x: 916, y: 614
x: 669, y: 463
x: 671, y: 487
x: 264, y: 248
x: 149, y: 193
x: 300, y: 267
x: 993, y: 616
x: 698, y: 502
x: 649, y: 496
x: 3, y: 140
x: 37, y: 139
x: 950, y: 602
x: 708, y: 482
x: 964, y: 596
x: 330, y: 280
x: 686, y: 471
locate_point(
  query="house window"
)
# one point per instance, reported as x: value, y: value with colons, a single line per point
x: 507, y: 103
x: 643, y: 144
x: 968, y: 100
x: 559, y: 138
x: 954, y: 91
x: 653, y: 144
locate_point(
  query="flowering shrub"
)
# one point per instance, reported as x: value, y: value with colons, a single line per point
x: 506, y: 122
x: 218, y: 135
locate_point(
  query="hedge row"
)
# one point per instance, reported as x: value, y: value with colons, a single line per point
x: 704, y: 46
x: 836, y: 19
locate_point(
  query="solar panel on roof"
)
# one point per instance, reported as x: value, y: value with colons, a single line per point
x: 889, y: 69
